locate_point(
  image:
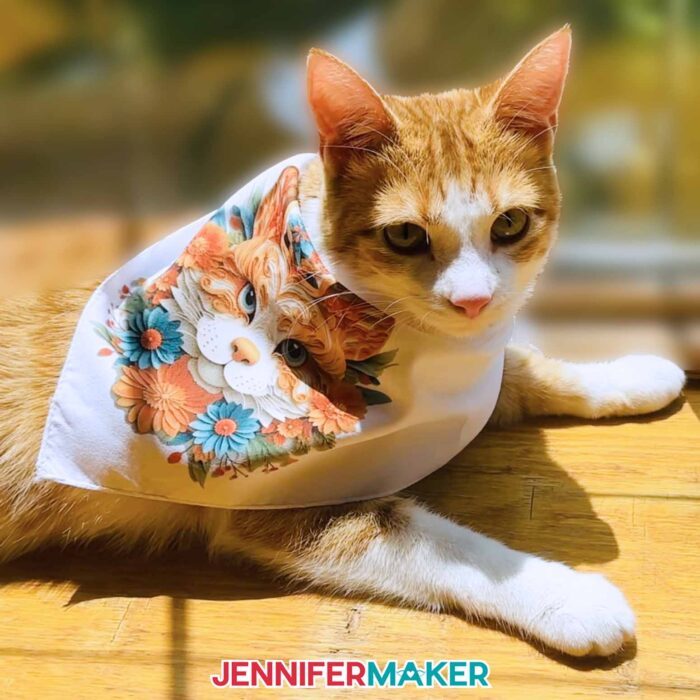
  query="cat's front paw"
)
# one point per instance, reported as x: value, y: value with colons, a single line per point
x: 634, y: 385
x: 584, y: 614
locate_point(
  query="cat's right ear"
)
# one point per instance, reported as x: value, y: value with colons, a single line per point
x: 351, y: 117
x: 528, y: 99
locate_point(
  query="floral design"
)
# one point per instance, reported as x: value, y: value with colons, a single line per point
x: 225, y: 428
x: 338, y: 412
x: 294, y: 428
x: 162, y: 286
x: 163, y: 400
x: 151, y: 339
x: 204, y: 249
x: 198, y: 371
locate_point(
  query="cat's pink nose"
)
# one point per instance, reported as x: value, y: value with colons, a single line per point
x: 472, y: 306
x: 245, y: 351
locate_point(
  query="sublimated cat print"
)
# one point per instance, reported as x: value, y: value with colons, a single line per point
x: 246, y: 352
x: 243, y: 357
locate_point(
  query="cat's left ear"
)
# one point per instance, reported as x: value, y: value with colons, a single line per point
x: 528, y: 99
x: 350, y: 115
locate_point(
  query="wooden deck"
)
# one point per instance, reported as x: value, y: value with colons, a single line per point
x: 619, y: 497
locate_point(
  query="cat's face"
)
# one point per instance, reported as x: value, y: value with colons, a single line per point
x: 444, y: 207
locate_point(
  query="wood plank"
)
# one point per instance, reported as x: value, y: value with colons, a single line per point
x: 619, y: 498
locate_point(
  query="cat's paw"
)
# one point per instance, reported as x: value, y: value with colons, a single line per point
x: 633, y: 385
x: 584, y: 614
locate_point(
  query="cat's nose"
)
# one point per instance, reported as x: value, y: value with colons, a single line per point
x: 472, y: 306
x: 245, y: 351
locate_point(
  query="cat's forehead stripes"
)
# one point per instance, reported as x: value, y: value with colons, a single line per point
x: 449, y: 162
x: 454, y: 202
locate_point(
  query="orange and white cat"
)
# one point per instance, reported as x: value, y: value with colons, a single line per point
x: 445, y: 206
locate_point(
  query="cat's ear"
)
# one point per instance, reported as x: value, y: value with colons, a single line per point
x: 350, y: 115
x: 270, y: 221
x: 528, y: 99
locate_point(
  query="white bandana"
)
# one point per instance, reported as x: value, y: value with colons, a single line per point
x: 225, y: 366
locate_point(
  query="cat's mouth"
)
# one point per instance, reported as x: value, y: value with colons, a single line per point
x: 448, y: 319
x: 249, y: 380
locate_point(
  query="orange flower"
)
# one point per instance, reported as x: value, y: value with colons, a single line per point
x: 205, y: 248
x: 161, y: 288
x: 272, y: 435
x: 161, y: 400
x: 295, y: 428
x: 340, y: 412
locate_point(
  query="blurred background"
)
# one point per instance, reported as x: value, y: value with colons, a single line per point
x: 121, y: 119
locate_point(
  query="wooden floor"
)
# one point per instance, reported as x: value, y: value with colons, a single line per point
x: 619, y: 497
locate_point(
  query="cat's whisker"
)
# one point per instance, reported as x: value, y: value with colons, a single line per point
x: 350, y: 308
x: 355, y: 306
x: 544, y: 167
x: 390, y: 316
x: 306, y: 309
x: 315, y: 302
x: 534, y: 137
x: 396, y: 301
x: 422, y: 321
x: 523, y: 108
x: 362, y: 303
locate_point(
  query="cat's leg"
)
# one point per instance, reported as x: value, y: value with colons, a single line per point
x: 536, y: 385
x: 394, y: 549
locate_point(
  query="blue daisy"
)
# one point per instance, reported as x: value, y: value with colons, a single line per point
x: 151, y: 338
x: 224, y: 428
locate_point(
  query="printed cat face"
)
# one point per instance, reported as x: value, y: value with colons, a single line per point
x: 246, y: 352
x: 263, y: 320
x: 442, y: 206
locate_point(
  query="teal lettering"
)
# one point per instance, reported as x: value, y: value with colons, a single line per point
x: 479, y: 673
x: 433, y: 674
x: 387, y: 678
x: 410, y: 674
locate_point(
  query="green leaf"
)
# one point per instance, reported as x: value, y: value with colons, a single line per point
x: 373, y: 397
x: 260, y: 451
x: 375, y: 365
x: 103, y: 332
x: 351, y: 376
x: 299, y: 447
x: 323, y: 442
x: 198, y: 471
x: 135, y: 302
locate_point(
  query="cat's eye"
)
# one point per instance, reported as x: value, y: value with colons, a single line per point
x: 510, y: 227
x: 293, y: 352
x: 248, y: 301
x: 407, y: 238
